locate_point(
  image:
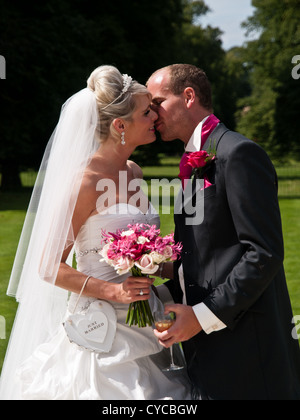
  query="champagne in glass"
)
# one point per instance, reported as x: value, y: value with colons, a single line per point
x: 162, y: 323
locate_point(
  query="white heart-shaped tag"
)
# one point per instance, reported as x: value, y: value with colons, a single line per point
x: 94, y: 327
x: 95, y: 330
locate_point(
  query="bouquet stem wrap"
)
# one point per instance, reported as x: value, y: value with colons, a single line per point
x: 139, y: 313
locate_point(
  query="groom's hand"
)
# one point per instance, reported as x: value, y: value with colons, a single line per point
x: 185, y: 327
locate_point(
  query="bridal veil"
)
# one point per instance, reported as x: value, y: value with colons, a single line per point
x: 47, y: 232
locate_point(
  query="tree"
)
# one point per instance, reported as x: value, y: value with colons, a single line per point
x: 52, y: 46
x: 50, y: 49
x: 270, y: 114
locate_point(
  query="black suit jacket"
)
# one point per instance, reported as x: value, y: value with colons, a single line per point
x: 233, y: 262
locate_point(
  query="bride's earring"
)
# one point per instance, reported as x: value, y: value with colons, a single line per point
x: 123, y: 138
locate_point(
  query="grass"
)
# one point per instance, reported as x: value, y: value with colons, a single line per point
x: 289, y: 180
x: 12, y: 213
x: 290, y: 210
x: 13, y: 209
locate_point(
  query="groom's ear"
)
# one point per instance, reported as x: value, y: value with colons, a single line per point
x: 119, y: 125
x: 189, y: 97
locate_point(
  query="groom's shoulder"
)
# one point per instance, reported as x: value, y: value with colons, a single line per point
x: 231, y: 141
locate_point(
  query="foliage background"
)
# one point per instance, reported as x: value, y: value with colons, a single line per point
x: 51, y: 47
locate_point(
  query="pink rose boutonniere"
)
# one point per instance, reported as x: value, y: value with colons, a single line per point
x: 200, y: 162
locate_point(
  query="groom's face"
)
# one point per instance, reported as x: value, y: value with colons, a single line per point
x: 170, y: 108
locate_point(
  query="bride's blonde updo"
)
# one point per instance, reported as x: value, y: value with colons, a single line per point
x: 108, y: 83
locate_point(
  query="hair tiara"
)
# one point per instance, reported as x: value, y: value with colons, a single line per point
x: 127, y: 81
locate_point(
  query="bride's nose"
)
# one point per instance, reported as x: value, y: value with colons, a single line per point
x: 154, y: 115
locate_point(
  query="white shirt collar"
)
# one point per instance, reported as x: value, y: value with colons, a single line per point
x: 194, y: 144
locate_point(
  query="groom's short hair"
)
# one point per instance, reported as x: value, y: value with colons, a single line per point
x: 187, y: 75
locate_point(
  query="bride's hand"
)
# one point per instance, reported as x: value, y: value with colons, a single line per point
x: 133, y: 289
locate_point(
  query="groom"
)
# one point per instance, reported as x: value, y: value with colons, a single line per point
x: 233, y: 314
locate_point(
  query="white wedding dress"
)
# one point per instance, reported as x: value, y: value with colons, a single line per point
x: 60, y: 370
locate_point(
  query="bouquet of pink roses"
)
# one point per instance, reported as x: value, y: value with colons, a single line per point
x: 139, y: 250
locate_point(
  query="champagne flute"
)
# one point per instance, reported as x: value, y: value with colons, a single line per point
x: 162, y: 323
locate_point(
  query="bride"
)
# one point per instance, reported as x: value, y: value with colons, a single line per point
x: 98, y: 130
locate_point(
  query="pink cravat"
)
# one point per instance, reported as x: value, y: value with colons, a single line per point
x: 207, y: 128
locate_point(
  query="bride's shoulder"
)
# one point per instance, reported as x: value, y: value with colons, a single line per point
x: 88, y: 189
x: 89, y: 180
x: 86, y: 201
x: 137, y: 171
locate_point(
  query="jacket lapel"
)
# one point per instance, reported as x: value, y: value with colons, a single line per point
x: 184, y: 200
x: 215, y: 137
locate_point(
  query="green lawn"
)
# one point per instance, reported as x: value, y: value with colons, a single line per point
x: 290, y: 210
x: 11, y: 222
x: 12, y: 213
